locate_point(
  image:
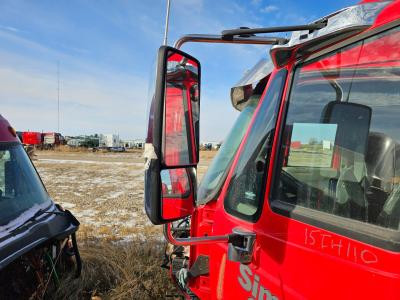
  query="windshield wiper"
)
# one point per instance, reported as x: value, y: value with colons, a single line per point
x: 36, y: 214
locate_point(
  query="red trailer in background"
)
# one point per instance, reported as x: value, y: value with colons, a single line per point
x: 31, y: 138
x: 295, y: 145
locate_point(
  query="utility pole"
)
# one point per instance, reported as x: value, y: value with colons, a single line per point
x: 166, y: 24
x: 58, y: 96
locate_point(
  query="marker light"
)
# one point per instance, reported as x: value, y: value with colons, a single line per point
x: 12, y: 131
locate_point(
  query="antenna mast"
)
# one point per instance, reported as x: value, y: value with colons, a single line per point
x: 58, y: 96
x: 166, y: 24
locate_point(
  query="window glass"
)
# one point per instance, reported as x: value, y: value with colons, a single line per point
x: 341, y: 140
x: 244, y: 195
x: 217, y: 171
x: 20, y: 186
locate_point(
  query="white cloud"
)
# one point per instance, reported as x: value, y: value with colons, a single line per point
x: 9, y: 28
x: 269, y: 8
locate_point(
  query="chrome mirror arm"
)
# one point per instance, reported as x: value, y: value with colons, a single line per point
x: 193, y: 241
x: 241, y: 242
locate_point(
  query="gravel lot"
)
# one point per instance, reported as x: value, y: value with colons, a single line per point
x: 103, y: 190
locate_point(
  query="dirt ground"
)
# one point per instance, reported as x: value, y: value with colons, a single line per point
x: 103, y: 190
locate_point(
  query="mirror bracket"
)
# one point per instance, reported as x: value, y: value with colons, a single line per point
x: 193, y: 241
x: 239, y: 240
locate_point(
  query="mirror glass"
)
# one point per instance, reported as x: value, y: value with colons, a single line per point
x: 177, y: 199
x: 175, y: 183
x: 181, y: 111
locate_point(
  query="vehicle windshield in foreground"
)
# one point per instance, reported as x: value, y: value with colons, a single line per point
x: 20, y: 186
x: 217, y: 171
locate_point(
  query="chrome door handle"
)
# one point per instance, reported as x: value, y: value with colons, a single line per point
x: 241, y: 246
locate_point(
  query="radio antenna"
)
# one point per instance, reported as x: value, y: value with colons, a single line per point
x: 58, y: 96
x: 166, y: 24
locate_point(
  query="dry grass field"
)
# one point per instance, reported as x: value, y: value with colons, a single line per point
x: 121, y: 250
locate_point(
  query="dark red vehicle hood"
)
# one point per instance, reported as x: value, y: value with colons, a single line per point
x: 7, y: 133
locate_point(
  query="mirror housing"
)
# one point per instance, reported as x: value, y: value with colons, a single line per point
x: 172, y: 143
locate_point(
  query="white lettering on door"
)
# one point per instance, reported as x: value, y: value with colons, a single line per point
x: 334, y: 245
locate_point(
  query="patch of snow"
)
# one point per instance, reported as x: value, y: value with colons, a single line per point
x: 116, y: 195
x: 67, y: 205
x: 86, y: 213
x: 76, y: 161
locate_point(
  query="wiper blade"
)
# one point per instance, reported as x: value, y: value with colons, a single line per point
x: 36, y: 214
x: 226, y: 34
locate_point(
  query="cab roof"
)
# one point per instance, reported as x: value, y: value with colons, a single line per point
x: 7, y: 133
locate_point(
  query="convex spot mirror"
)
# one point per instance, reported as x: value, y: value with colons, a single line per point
x: 172, y: 144
x: 177, y: 196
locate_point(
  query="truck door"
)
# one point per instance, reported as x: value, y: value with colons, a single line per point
x: 334, y: 190
x: 322, y: 196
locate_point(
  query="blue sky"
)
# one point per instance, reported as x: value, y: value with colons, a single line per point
x: 106, y: 51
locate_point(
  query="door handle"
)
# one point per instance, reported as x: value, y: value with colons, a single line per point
x: 240, y: 247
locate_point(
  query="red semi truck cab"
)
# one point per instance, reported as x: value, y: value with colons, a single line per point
x: 302, y: 201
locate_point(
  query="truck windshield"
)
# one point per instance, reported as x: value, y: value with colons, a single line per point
x: 217, y: 171
x: 20, y: 185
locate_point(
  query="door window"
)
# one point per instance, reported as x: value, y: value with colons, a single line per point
x: 340, y: 152
x: 245, y: 192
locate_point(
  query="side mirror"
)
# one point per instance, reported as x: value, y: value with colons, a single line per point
x: 172, y: 143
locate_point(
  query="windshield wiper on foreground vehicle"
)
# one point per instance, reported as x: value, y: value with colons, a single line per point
x: 37, y: 214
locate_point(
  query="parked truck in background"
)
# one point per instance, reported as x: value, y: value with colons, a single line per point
x: 52, y: 140
x: 109, y: 141
x: 86, y: 141
x: 302, y: 200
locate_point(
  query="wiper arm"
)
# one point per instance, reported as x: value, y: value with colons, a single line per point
x: 37, y: 214
x: 245, y: 32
